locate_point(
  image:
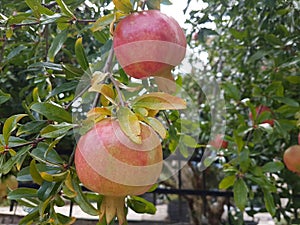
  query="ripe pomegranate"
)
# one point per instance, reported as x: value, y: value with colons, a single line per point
x: 110, y: 163
x: 149, y: 43
x: 260, y: 109
x: 218, y: 142
x: 299, y: 139
x: 291, y: 158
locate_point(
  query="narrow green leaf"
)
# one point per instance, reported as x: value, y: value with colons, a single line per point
x: 129, y: 124
x: 189, y: 141
x: 240, y: 192
x: 102, y: 22
x: 80, y: 55
x: 52, y: 112
x: 141, y: 205
x: 42, y: 153
x: 54, y: 177
x: 123, y: 5
x: 47, y: 189
x: 56, y: 130
x: 4, y: 97
x: 64, y: 8
x: 10, y: 125
x: 15, y: 52
x: 57, y: 44
x: 82, y: 201
x: 30, y: 217
x: 273, y: 167
x: 38, y: 9
x: 22, y: 193
x: 36, y: 177
x: 159, y: 101
x: 269, y: 202
x: 227, y: 182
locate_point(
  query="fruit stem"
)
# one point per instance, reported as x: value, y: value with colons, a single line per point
x: 111, y: 207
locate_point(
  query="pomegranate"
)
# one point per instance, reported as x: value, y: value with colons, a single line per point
x: 299, y: 139
x: 219, y: 142
x: 260, y: 109
x: 149, y: 43
x: 111, y: 164
x: 291, y: 158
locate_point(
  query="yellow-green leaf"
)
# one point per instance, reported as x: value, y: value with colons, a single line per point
x: 10, y: 125
x: 227, y: 182
x: 102, y: 22
x: 35, y: 174
x: 157, y: 126
x: 54, y: 177
x: 129, y: 124
x: 105, y: 89
x: 64, y: 8
x: 123, y: 5
x: 159, y: 101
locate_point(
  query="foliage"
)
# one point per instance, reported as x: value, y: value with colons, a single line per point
x: 253, y: 51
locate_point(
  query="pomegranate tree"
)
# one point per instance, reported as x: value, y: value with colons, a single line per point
x: 149, y: 43
x: 218, y: 142
x: 108, y: 162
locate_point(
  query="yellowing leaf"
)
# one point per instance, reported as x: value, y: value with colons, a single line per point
x: 54, y: 177
x: 123, y: 5
x: 159, y: 101
x: 97, y: 114
x: 129, y: 124
x: 157, y: 126
x: 104, y: 89
x: 35, y: 174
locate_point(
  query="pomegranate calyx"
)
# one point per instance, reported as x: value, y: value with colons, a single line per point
x: 112, y: 207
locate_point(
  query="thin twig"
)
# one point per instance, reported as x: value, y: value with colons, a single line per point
x: 78, y: 96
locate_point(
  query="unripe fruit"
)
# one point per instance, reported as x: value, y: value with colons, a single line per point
x: 110, y: 163
x: 291, y: 158
x: 149, y: 43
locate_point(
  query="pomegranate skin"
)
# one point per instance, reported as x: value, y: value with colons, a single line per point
x: 291, y: 158
x: 109, y: 163
x: 149, y: 43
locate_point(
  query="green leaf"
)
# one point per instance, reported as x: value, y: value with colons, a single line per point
x: 56, y: 130
x: 22, y: 193
x: 273, y: 167
x: 102, y: 22
x: 129, y: 124
x: 141, y: 205
x: 41, y: 153
x: 80, y: 55
x: 52, y: 112
x: 64, y: 8
x: 65, y: 219
x: 30, y: 217
x: 82, y: 201
x: 189, y: 141
x: 227, y: 182
x: 32, y: 127
x: 4, y: 97
x: 36, y: 177
x: 10, y: 125
x: 57, y: 44
x: 47, y: 189
x: 240, y: 193
x: 269, y: 202
x: 72, y: 72
x: 153, y: 4
x: 287, y: 101
x: 159, y: 101
x: 65, y: 87
x: 123, y: 5
x: 15, y: 52
x: 293, y: 79
x: 232, y: 91
x: 38, y: 9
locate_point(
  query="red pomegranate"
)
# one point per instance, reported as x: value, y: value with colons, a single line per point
x: 259, y: 110
x: 299, y: 139
x: 110, y: 163
x: 291, y: 158
x: 149, y: 43
x: 218, y: 142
